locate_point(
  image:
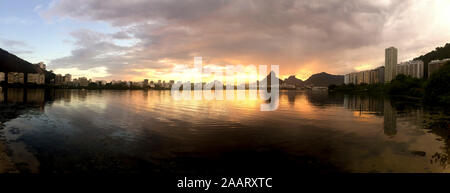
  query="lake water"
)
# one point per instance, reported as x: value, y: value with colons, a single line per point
x: 81, y: 131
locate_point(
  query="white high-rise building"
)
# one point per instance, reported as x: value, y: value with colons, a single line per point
x: 411, y: 68
x: 390, y: 64
x: 347, y: 79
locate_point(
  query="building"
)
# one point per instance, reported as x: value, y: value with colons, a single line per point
x: 434, y: 65
x: 390, y: 64
x: 413, y: 68
x: 67, y: 79
x: 373, y: 76
x: 152, y: 84
x: 145, y: 85
x: 379, y: 74
x: 58, y: 79
x: 15, y: 69
x: 42, y: 65
x: 347, y: 79
x: 83, y: 81
x: 351, y: 78
x: 16, y: 77
x: 2, y: 76
x: 36, y: 78
x: 366, y: 78
x: 360, y: 77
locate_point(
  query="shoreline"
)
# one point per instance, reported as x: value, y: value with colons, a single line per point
x: 6, y: 164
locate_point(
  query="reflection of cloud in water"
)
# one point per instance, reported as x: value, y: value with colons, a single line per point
x: 145, y: 130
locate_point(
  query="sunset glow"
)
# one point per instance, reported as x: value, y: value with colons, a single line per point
x: 104, y: 41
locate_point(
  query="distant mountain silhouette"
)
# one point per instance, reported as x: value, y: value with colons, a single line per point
x: 294, y: 81
x: 438, y: 54
x: 269, y: 79
x: 320, y: 79
x: 324, y: 79
x: 11, y: 63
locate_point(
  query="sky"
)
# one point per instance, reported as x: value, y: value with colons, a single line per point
x: 148, y: 39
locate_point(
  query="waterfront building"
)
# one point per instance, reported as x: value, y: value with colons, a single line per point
x: 347, y: 79
x: 42, y: 65
x: 353, y: 78
x: 152, y: 84
x: 380, y: 74
x: 390, y: 64
x: 16, y: 77
x: 373, y: 76
x: 350, y: 78
x: 145, y: 83
x: 75, y: 82
x: 366, y: 78
x: 413, y: 68
x: 58, y: 79
x: 83, y: 81
x: 2, y: 76
x: 67, y: 79
x: 360, y: 77
x: 36, y: 78
x: 434, y: 65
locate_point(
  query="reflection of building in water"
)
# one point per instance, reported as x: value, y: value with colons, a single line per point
x: 291, y: 94
x: 35, y: 96
x: 390, y: 119
x: 2, y: 97
x: 21, y: 95
x: 376, y: 105
x: 364, y: 104
x: 322, y: 98
x: 65, y: 95
x: 15, y: 95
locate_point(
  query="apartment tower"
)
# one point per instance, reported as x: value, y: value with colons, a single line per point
x: 390, y: 64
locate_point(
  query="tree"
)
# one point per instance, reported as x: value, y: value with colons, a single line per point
x: 437, y: 88
x: 406, y: 85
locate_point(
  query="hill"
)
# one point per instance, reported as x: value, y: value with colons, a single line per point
x: 268, y: 78
x: 438, y: 54
x: 324, y: 79
x: 294, y: 81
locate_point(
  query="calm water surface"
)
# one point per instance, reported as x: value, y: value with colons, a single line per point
x: 78, y: 131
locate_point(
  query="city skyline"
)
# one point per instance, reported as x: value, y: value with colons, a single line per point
x: 145, y: 44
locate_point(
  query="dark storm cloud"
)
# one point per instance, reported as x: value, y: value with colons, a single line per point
x: 288, y: 33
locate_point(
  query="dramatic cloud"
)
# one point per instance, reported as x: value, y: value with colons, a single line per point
x: 303, y: 37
